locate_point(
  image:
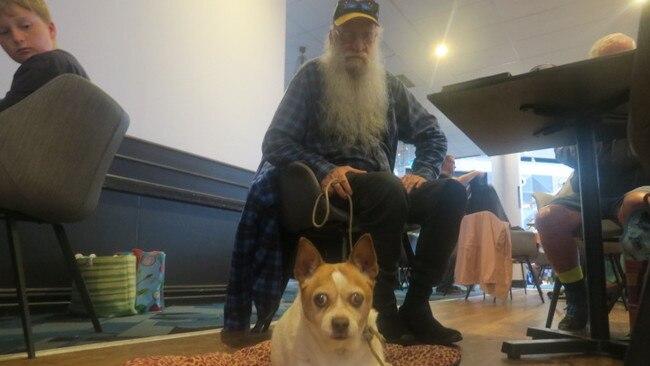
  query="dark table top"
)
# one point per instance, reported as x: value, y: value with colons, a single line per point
x: 494, y: 111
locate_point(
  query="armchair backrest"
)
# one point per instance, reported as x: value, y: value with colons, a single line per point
x: 299, y: 189
x: 55, y: 149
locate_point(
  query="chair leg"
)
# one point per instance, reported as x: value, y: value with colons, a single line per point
x: 21, y: 288
x: 523, y: 276
x: 408, y: 249
x: 539, y: 288
x: 551, y: 308
x: 402, y: 277
x: 410, y: 258
x: 620, y: 278
x: 619, y: 291
x: 538, y: 279
x: 469, y: 290
x: 76, y: 274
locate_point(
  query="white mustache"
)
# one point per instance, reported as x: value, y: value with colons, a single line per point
x: 357, y: 55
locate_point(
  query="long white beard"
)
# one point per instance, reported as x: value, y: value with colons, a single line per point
x: 355, y: 99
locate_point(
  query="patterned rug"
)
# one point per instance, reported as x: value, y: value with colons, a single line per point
x: 260, y: 355
x: 63, y: 330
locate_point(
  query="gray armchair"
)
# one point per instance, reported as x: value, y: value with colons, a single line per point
x: 55, y: 149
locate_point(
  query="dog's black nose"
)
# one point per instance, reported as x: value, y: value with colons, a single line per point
x: 340, y: 324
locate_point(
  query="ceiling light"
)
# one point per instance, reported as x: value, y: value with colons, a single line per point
x: 441, y: 50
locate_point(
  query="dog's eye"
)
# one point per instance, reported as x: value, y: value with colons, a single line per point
x: 320, y: 300
x: 356, y: 299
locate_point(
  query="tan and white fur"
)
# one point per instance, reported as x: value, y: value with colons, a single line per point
x: 326, y: 323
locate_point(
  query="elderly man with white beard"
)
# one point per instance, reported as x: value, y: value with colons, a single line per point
x: 342, y: 115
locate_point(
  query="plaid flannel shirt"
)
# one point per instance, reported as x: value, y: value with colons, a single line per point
x: 256, y: 268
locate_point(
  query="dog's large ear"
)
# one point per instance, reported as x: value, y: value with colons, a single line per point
x: 364, y: 257
x: 307, y: 260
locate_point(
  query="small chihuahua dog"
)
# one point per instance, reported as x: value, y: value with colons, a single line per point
x: 331, y: 322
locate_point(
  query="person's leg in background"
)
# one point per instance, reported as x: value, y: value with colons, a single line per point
x: 446, y: 285
x: 556, y: 225
x: 438, y: 207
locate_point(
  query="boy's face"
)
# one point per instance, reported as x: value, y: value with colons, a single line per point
x: 24, y: 34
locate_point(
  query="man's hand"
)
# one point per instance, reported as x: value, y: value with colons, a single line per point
x: 411, y: 181
x: 341, y: 185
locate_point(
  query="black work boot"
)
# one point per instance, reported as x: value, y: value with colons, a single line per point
x: 577, y: 311
x: 389, y: 323
x: 390, y: 326
x: 417, y: 317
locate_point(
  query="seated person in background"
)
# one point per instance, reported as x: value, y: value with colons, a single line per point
x: 446, y: 285
x: 482, y: 196
x: 28, y: 36
x: 342, y: 115
x: 448, y: 168
x: 620, y: 175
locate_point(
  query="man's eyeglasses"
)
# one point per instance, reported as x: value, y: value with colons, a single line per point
x: 347, y: 36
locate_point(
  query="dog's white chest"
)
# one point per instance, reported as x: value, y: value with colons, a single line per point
x: 294, y: 344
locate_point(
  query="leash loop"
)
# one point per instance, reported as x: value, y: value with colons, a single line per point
x: 325, y: 193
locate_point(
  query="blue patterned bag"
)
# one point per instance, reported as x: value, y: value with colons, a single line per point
x: 150, y: 278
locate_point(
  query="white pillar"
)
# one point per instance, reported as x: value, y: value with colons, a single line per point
x: 506, y: 181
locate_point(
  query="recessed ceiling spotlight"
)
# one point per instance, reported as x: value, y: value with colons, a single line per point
x: 441, y: 50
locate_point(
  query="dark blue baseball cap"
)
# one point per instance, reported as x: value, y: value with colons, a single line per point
x: 350, y: 9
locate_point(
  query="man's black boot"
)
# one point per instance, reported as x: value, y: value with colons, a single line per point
x: 389, y: 323
x: 417, y: 317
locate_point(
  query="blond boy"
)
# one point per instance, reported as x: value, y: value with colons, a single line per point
x: 28, y: 36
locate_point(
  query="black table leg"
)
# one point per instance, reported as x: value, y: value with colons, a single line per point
x: 547, y: 341
x: 592, y: 230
